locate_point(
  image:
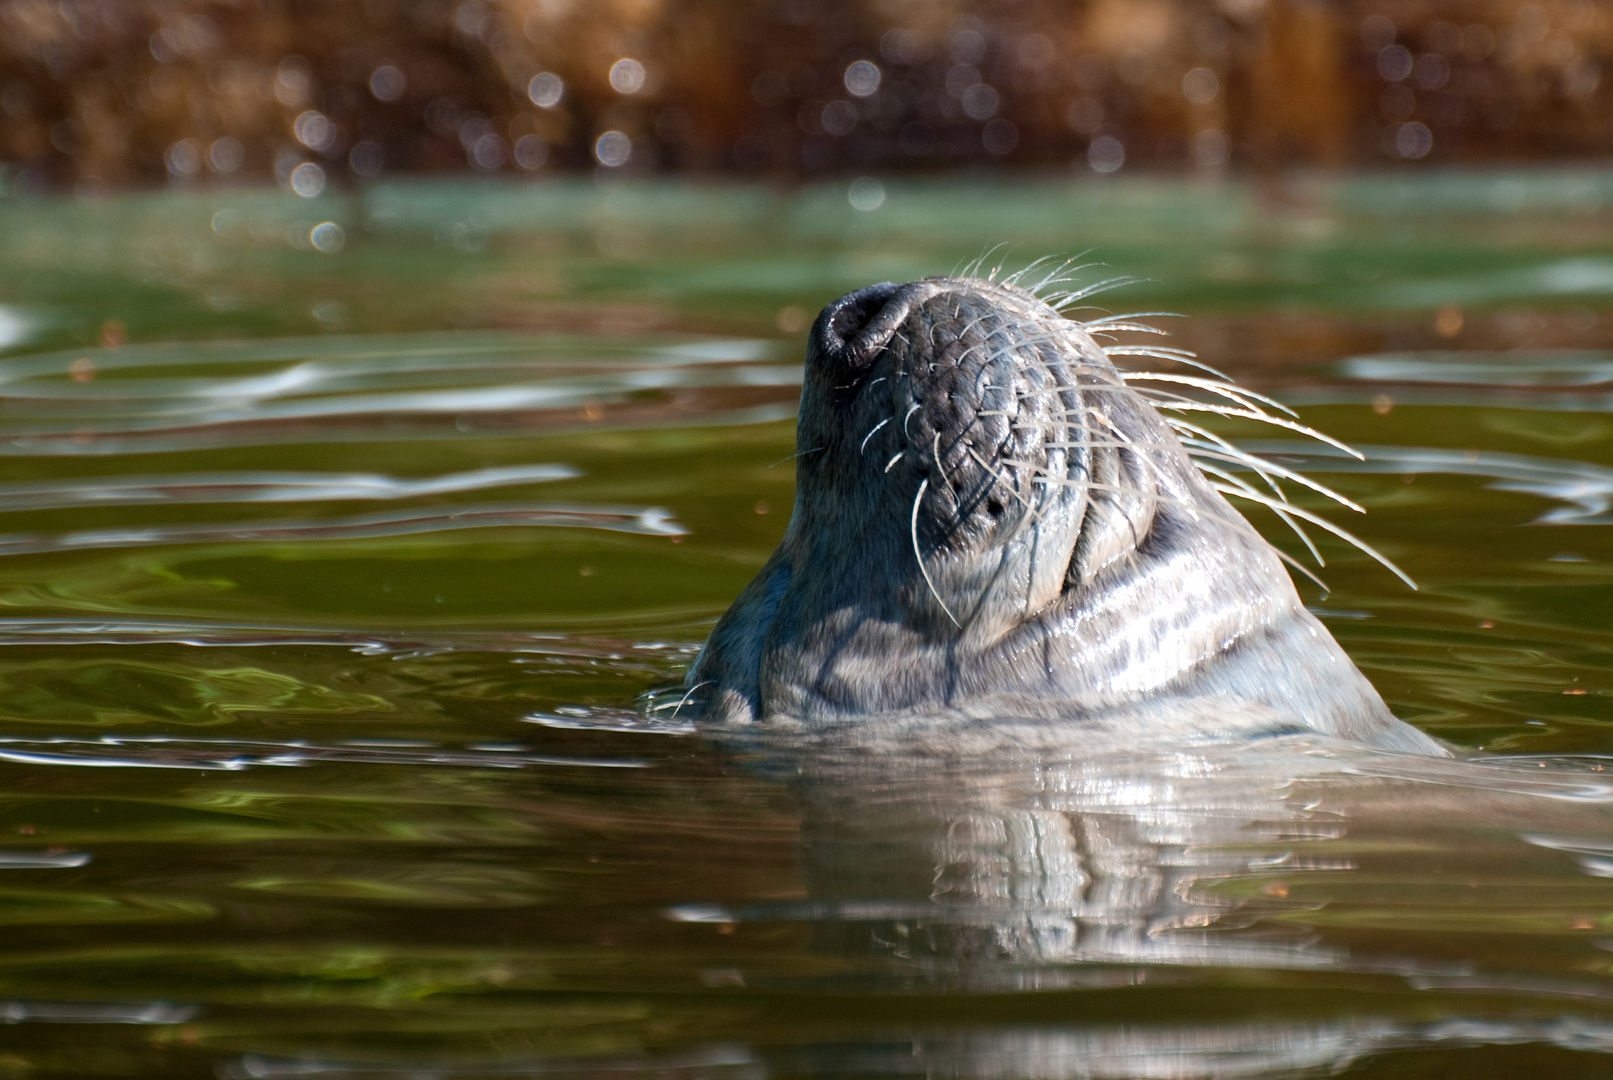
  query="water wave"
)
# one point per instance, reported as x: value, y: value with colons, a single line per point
x: 93, y: 393
x: 1587, y: 489
x: 644, y: 520
x: 234, y: 755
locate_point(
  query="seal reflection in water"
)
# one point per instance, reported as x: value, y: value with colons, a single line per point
x: 1055, y: 718
x: 996, y: 535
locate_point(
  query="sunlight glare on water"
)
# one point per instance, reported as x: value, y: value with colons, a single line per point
x: 332, y: 574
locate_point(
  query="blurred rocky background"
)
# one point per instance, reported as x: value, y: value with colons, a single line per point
x: 106, y: 94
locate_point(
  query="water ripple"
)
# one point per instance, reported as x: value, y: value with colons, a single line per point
x: 1568, y: 380
x: 1587, y: 489
x: 220, y: 487
x: 131, y: 389
x: 644, y: 520
x: 234, y: 755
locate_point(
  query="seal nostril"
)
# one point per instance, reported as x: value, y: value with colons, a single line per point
x: 854, y: 311
x: 851, y: 331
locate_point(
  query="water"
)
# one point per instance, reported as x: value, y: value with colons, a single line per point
x: 329, y: 580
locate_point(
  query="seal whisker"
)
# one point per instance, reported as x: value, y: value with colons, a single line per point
x: 1160, y: 352
x: 864, y: 447
x: 915, y: 407
x: 1058, y: 276
x: 913, y: 529
x: 1199, y: 449
x: 1269, y: 469
x: 964, y: 333
x: 798, y: 453
x: 687, y: 695
x: 1323, y: 523
x: 1117, y: 489
x: 1188, y: 405
x: 997, y: 480
x: 1080, y: 366
x: 1063, y: 272
x: 940, y: 464
x: 1188, y: 428
x: 1107, y: 333
x: 1067, y: 298
x: 1123, y: 322
x: 1165, y: 400
x: 1195, y: 511
x: 1112, y: 444
x: 1100, y: 382
x: 1245, y: 528
x: 1167, y: 351
x: 1246, y: 398
x: 1013, y: 279
x: 1250, y: 491
x: 1301, y: 569
x: 1147, y: 459
x: 974, y: 266
x: 1002, y: 350
x: 891, y: 464
x: 1055, y: 276
x: 1230, y: 453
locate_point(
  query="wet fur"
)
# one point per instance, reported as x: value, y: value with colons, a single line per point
x: 995, y: 534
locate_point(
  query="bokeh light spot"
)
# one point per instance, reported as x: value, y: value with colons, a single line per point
x: 226, y: 155
x: 866, y: 194
x: 613, y: 149
x: 314, y: 130
x: 307, y: 180
x: 366, y: 158
x: 531, y: 152
x: 183, y: 158
x: 980, y: 102
x: 488, y: 152
x: 1106, y: 154
x: 328, y: 237
x: 1200, y: 86
x: 1394, y: 63
x: 1412, y: 141
x: 388, y: 83
x: 999, y: 137
x: 862, y: 78
x: 293, y: 81
x: 899, y: 46
x: 1431, y: 71
x: 545, y: 89
x: 839, y: 117
x: 627, y: 76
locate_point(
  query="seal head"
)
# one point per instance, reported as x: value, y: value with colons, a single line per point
x: 989, y: 523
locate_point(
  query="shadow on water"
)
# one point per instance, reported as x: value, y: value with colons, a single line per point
x: 328, y: 583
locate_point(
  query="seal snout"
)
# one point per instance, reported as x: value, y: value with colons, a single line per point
x: 851, y: 331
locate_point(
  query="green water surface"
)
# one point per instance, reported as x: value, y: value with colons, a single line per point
x: 329, y: 580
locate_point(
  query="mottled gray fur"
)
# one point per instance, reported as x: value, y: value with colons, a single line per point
x: 993, y: 533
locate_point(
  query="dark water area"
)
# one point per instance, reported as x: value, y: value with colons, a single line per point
x: 341, y: 538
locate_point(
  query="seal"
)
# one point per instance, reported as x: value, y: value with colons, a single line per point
x: 993, y: 523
